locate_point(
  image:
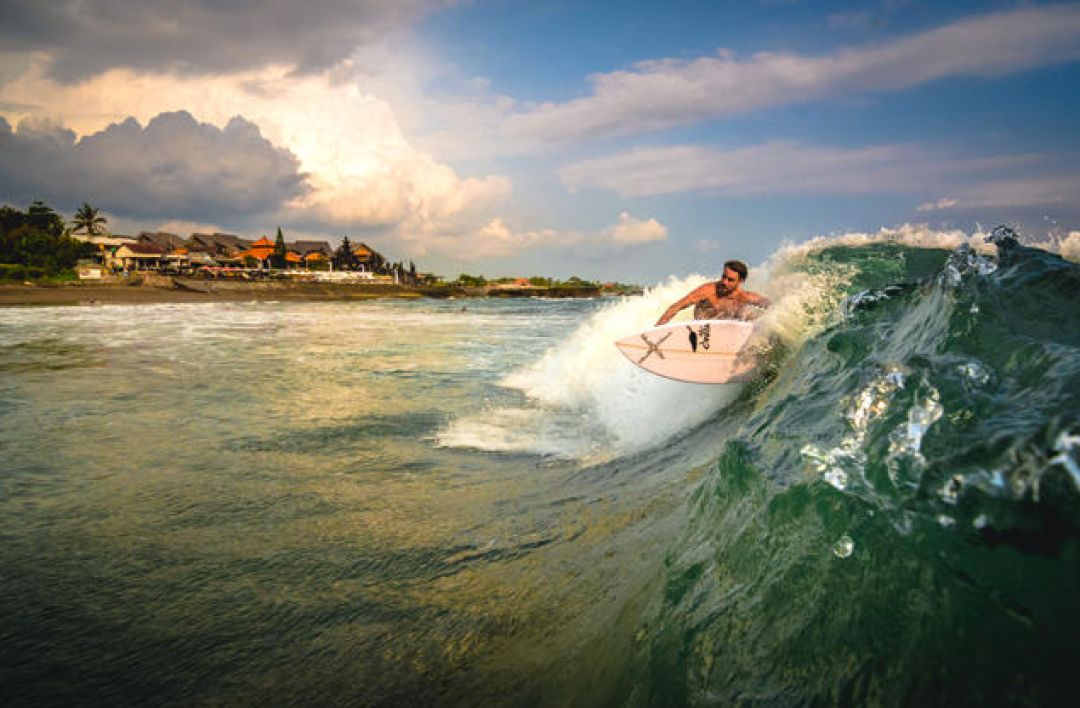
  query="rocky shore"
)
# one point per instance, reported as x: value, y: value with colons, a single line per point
x: 161, y: 289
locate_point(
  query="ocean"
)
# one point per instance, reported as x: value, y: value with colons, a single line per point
x: 480, y: 502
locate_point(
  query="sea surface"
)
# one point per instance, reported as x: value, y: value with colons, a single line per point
x: 480, y: 502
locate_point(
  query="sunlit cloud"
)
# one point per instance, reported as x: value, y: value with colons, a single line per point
x: 499, y: 239
x: 664, y: 93
x: 629, y: 230
x: 361, y: 171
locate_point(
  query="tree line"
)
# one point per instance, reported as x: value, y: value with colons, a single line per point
x: 35, y: 243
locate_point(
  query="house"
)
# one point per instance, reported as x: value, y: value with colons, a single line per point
x: 137, y: 256
x: 305, y: 247
x: 162, y: 239
x: 218, y: 244
x: 106, y: 244
x: 315, y: 259
x: 260, y: 251
x: 365, y: 255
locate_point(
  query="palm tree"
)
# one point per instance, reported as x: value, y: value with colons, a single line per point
x: 88, y: 219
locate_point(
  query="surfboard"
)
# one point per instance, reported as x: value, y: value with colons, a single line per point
x: 696, y: 351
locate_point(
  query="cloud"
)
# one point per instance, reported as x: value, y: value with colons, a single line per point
x: 496, y: 238
x: 84, y: 38
x: 174, y: 167
x: 362, y: 171
x: 780, y: 167
x: 629, y: 231
x: 1062, y: 190
x: 664, y: 93
x: 943, y: 203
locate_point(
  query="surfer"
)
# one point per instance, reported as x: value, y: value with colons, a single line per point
x: 723, y: 299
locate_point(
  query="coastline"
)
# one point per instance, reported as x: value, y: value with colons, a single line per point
x: 185, y: 291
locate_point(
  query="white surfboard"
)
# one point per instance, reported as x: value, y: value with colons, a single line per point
x: 696, y: 351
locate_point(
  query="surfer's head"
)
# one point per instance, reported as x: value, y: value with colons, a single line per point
x: 734, y: 275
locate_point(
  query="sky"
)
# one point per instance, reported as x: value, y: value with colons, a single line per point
x: 627, y: 141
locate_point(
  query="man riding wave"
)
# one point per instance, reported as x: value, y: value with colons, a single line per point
x: 723, y: 299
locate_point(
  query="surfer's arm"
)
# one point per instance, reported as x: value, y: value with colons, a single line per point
x: 685, y: 302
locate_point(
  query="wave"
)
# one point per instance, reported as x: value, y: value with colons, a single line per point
x: 583, y: 400
x: 894, y: 517
x: 890, y: 511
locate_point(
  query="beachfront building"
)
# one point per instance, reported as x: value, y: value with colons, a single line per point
x: 107, y: 245
x: 316, y: 260
x: 260, y: 252
x: 366, y: 257
x: 162, y: 239
x: 218, y: 245
x: 137, y: 256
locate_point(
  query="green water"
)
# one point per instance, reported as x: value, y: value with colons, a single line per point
x: 412, y: 503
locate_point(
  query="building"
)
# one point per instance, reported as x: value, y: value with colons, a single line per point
x: 162, y: 239
x: 305, y: 247
x: 137, y: 256
x: 260, y: 251
x: 366, y: 256
x: 218, y: 245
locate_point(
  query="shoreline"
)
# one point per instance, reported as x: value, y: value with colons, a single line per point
x: 76, y: 294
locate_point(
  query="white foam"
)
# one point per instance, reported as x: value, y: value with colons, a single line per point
x: 612, y: 406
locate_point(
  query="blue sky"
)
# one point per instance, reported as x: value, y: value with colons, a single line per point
x: 501, y: 137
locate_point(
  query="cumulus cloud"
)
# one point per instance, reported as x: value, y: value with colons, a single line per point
x: 86, y: 37
x: 776, y: 168
x: 496, y: 238
x: 491, y: 239
x: 174, y: 166
x: 663, y: 93
x: 628, y: 230
x: 362, y: 171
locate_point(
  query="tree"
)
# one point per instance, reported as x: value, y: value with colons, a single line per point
x: 86, y: 219
x: 35, y: 238
x: 278, y: 259
x: 344, y: 258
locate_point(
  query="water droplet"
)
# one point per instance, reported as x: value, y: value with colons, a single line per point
x: 843, y: 547
x: 951, y: 491
x: 836, y: 477
x: 974, y: 372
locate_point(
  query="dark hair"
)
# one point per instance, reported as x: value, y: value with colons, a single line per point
x: 737, y: 266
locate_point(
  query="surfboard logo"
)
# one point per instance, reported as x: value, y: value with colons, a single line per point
x: 693, y: 339
x: 654, y: 347
x: 702, y: 338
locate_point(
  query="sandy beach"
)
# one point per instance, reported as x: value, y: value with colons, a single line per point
x: 81, y: 294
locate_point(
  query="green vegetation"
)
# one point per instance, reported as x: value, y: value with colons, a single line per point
x: 34, y: 246
x: 474, y: 281
x: 87, y: 220
x: 278, y: 259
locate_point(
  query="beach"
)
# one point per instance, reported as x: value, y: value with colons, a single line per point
x: 239, y: 291
x: 81, y: 294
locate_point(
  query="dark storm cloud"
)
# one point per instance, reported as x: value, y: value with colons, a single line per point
x: 86, y: 37
x: 175, y: 167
